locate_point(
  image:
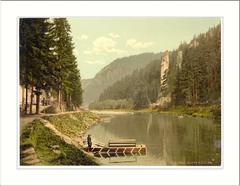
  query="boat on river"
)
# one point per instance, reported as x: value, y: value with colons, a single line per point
x: 118, y: 148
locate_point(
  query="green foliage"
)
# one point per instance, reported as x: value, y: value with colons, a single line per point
x: 142, y: 87
x: 76, y: 93
x: 51, y: 109
x: 198, y: 81
x: 213, y: 111
x: 115, y: 71
x: 66, y: 73
x: 72, y: 124
x: 193, y: 78
x: 47, y: 61
x: 35, y: 55
x: 216, y: 111
x: 112, y: 104
x: 44, y: 142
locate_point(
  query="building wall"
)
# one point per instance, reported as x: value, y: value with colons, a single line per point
x: 22, y: 96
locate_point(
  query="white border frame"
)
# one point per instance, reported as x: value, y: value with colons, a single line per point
x: 121, y: 166
x: 226, y: 175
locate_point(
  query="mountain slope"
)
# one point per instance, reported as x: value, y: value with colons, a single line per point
x: 113, y: 72
x: 192, y: 77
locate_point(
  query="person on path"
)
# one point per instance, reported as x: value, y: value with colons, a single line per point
x: 89, y: 141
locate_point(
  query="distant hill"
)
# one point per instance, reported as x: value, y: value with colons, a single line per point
x: 113, y: 72
x: 85, y: 83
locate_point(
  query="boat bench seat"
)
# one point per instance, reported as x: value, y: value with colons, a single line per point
x: 122, y: 143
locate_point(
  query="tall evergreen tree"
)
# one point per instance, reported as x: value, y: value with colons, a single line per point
x: 67, y: 76
x: 34, y: 55
x: 47, y: 61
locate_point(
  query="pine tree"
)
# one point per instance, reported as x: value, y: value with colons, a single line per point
x: 34, y: 56
x: 47, y: 61
x: 67, y: 77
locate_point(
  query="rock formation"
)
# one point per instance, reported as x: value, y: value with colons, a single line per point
x: 164, y: 96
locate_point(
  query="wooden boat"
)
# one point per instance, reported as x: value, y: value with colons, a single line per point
x: 115, y: 148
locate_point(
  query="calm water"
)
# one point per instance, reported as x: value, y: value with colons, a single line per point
x: 170, y: 140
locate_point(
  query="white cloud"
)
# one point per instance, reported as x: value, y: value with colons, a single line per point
x: 94, y: 62
x: 83, y: 37
x: 87, y: 52
x: 103, y: 45
x: 114, y: 35
x: 133, y: 43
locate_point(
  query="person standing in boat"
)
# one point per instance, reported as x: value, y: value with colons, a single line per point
x: 89, y: 141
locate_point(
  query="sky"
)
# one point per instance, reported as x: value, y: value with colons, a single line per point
x: 99, y: 41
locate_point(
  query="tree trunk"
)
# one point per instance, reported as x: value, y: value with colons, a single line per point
x: 38, y: 93
x: 70, y: 101
x: 59, y: 100
x: 22, y: 87
x: 31, y: 101
x: 37, y: 105
x: 26, y: 100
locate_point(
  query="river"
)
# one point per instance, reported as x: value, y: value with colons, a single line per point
x: 170, y: 140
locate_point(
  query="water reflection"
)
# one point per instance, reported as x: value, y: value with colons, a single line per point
x: 170, y: 140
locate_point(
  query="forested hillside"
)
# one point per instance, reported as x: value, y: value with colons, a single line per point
x: 140, y: 88
x: 47, y: 62
x: 113, y: 72
x: 193, y: 77
x: 198, y: 81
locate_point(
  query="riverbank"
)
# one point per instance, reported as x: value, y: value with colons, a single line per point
x: 112, y: 112
x: 57, y: 140
x: 213, y: 111
x: 210, y: 111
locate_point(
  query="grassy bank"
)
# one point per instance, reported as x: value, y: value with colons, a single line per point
x: 73, y: 124
x: 213, y: 111
x: 50, y: 148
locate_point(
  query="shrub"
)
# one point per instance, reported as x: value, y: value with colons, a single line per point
x: 216, y: 111
x: 51, y: 110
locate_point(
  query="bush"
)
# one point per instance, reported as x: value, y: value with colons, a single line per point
x: 216, y: 111
x: 51, y: 110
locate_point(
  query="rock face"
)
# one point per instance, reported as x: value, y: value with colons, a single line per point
x: 163, y: 102
x: 164, y: 97
x: 113, y: 72
x: 164, y: 68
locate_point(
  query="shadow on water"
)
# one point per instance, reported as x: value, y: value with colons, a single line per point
x: 170, y: 140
